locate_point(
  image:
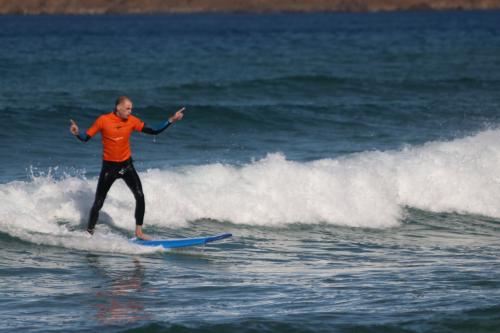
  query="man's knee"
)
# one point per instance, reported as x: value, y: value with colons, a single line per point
x: 139, y: 195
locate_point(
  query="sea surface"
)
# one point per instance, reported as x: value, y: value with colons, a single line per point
x: 355, y: 158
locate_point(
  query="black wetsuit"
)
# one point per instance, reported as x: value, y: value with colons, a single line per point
x: 110, y: 172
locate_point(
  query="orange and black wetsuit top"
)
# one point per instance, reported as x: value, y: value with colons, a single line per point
x: 116, y: 132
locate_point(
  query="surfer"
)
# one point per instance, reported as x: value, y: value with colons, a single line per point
x: 116, y: 128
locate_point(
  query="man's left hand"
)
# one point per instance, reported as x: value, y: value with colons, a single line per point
x: 177, y: 116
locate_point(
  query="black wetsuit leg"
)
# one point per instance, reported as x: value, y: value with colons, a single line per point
x: 109, y: 173
x: 133, y: 182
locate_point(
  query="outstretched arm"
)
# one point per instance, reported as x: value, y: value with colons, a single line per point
x: 76, y: 132
x: 157, y: 130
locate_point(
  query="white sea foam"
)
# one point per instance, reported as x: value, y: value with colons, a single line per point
x: 368, y: 189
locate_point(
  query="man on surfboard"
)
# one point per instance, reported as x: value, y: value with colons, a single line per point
x: 116, y: 128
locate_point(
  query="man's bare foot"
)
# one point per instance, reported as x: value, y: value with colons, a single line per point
x: 139, y: 234
x: 142, y: 236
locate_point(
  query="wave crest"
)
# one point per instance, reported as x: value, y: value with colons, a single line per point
x: 368, y: 189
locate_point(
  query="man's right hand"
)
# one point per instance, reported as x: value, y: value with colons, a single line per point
x: 74, y: 127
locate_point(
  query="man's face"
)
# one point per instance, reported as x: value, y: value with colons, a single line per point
x: 124, y: 109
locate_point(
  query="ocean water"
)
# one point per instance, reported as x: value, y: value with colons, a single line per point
x: 354, y: 157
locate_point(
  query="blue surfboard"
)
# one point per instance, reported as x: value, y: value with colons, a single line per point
x: 182, y: 242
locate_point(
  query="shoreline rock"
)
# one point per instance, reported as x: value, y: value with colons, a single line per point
x: 35, y: 7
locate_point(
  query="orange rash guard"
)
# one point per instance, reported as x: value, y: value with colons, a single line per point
x: 115, y: 134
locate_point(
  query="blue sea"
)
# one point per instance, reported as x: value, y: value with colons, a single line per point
x: 355, y: 158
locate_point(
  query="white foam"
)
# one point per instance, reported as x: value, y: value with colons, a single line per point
x: 368, y: 189
x: 45, y: 211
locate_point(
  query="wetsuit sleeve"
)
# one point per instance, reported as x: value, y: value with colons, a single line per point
x: 156, y: 130
x: 96, y: 127
x: 83, y: 137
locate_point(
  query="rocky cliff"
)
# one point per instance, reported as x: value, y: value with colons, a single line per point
x: 258, y: 6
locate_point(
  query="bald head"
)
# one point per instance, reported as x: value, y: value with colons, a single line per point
x: 121, y: 100
x: 123, y: 107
